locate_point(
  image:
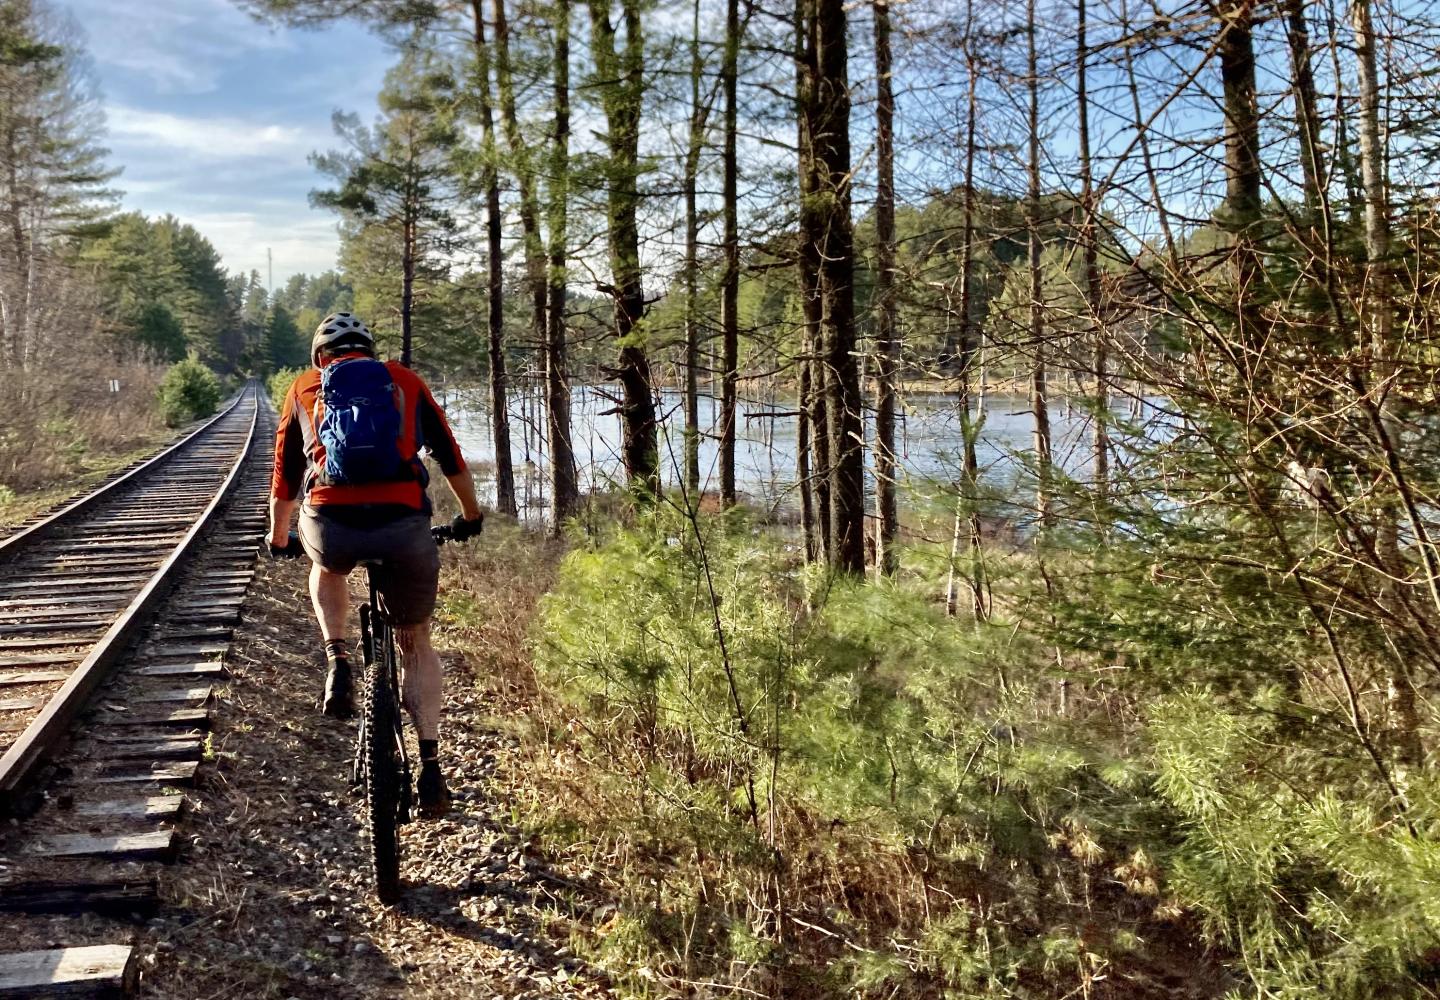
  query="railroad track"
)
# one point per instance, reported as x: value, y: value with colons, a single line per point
x: 115, y: 614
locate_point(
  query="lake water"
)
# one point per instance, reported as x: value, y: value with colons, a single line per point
x: 928, y: 442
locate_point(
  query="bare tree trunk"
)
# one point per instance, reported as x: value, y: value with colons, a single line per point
x: 1377, y: 317
x: 1039, y: 401
x: 536, y: 280
x: 495, y: 276
x: 17, y: 312
x: 407, y: 280
x: 1344, y: 156
x: 1100, y: 449
x: 969, y: 341
x: 698, y: 115
x: 815, y: 400
x: 1307, y: 118
x: 808, y: 521
x: 886, y: 345
x: 1242, y: 159
x: 730, y: 282
x: 621, y: 101
x: 563, y: 489
x: 829, y: 138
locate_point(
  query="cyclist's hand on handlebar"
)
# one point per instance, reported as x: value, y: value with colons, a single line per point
x: 462, y: 530
x: 292, y: 549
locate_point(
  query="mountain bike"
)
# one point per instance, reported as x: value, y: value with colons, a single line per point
x: 382, y: 764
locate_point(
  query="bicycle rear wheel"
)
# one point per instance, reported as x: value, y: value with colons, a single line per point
x: 381, y: 764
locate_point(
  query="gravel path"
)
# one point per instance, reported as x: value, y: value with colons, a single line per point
x: 271, y: 898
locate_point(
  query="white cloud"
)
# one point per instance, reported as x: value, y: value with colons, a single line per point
x: 181, y: 46
x: 299, y: 241
x: 217, y: 138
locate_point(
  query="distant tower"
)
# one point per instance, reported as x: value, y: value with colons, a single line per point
x: 270, y: 267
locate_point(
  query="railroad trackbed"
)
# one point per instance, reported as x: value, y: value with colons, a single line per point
x: 116, y: 611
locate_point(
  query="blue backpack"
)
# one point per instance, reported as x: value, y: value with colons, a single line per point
x: 360, y: 428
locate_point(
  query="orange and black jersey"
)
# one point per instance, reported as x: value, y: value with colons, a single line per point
x: 299, y: 454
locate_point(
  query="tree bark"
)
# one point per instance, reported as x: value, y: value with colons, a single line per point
x: 407, y: 280
x: 564, y: 491
x: 495, y: 276
x: 730, y: 281
x: 1241, y: 213
x: 808, y: 521
x: 1307, y: 117
x: 536, y: 280
x: 698, y: 116
x: 1039, y: 389
x: 829, y: 138
x: 1090, y: 264
x: 969, y: 353
x: 1377, y: 316
x: 815, y: 470
x: 887, y: 348
x: 621, y: 99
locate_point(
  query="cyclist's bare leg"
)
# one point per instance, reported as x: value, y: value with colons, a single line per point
x: 330, y: 594
x: 421, y: 679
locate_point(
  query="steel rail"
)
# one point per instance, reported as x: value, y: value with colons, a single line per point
x: 42, y: 735
x: 17, y: 541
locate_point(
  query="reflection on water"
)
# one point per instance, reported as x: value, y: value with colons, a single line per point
x: 928, y: 441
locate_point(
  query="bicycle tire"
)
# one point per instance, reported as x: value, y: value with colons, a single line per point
x: 382, y: 779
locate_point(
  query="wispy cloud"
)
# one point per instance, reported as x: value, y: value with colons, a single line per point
x: 181, y: 46
x: 211, y: 138
x: 213, y: 115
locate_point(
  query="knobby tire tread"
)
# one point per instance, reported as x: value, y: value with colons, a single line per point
x: 382, y: 784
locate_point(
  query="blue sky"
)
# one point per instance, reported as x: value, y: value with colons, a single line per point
x: 212, y: 115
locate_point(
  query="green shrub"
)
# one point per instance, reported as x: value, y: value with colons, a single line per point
x: 280, y: 381
x: 188, y: 392
x: 825, y: 708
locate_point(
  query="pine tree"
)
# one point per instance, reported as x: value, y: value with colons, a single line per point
x: 53, y: 173
x: 395, y: 178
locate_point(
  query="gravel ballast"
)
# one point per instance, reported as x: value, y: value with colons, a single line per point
x: 272, y: 898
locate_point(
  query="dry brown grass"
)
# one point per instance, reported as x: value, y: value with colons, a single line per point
x: 65, y: 425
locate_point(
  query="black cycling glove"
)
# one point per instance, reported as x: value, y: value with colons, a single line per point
x: 462, y: 530
x: 290, y: 550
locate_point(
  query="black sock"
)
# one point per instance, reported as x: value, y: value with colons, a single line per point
x: 336, y: 650
x: 429, y: 750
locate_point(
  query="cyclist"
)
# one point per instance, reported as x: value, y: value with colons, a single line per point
x: 342, y: 525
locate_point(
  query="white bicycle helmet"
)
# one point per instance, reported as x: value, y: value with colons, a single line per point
x: 340, y: 329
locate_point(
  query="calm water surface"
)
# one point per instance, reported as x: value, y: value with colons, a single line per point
x: 928, y: 440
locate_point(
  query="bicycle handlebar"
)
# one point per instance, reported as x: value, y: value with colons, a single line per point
x: 443, y: 533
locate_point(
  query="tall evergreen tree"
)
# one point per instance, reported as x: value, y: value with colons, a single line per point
x: 396, y: 178
x: 53, y: 173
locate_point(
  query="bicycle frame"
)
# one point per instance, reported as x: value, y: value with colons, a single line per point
x: 382, y: 764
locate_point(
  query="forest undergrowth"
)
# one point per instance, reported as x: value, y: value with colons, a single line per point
x: 798, y: 784
x: 66, y: 429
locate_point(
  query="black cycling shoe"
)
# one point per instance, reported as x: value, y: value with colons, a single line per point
x: 434, y: 796
x: 339, y: 695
